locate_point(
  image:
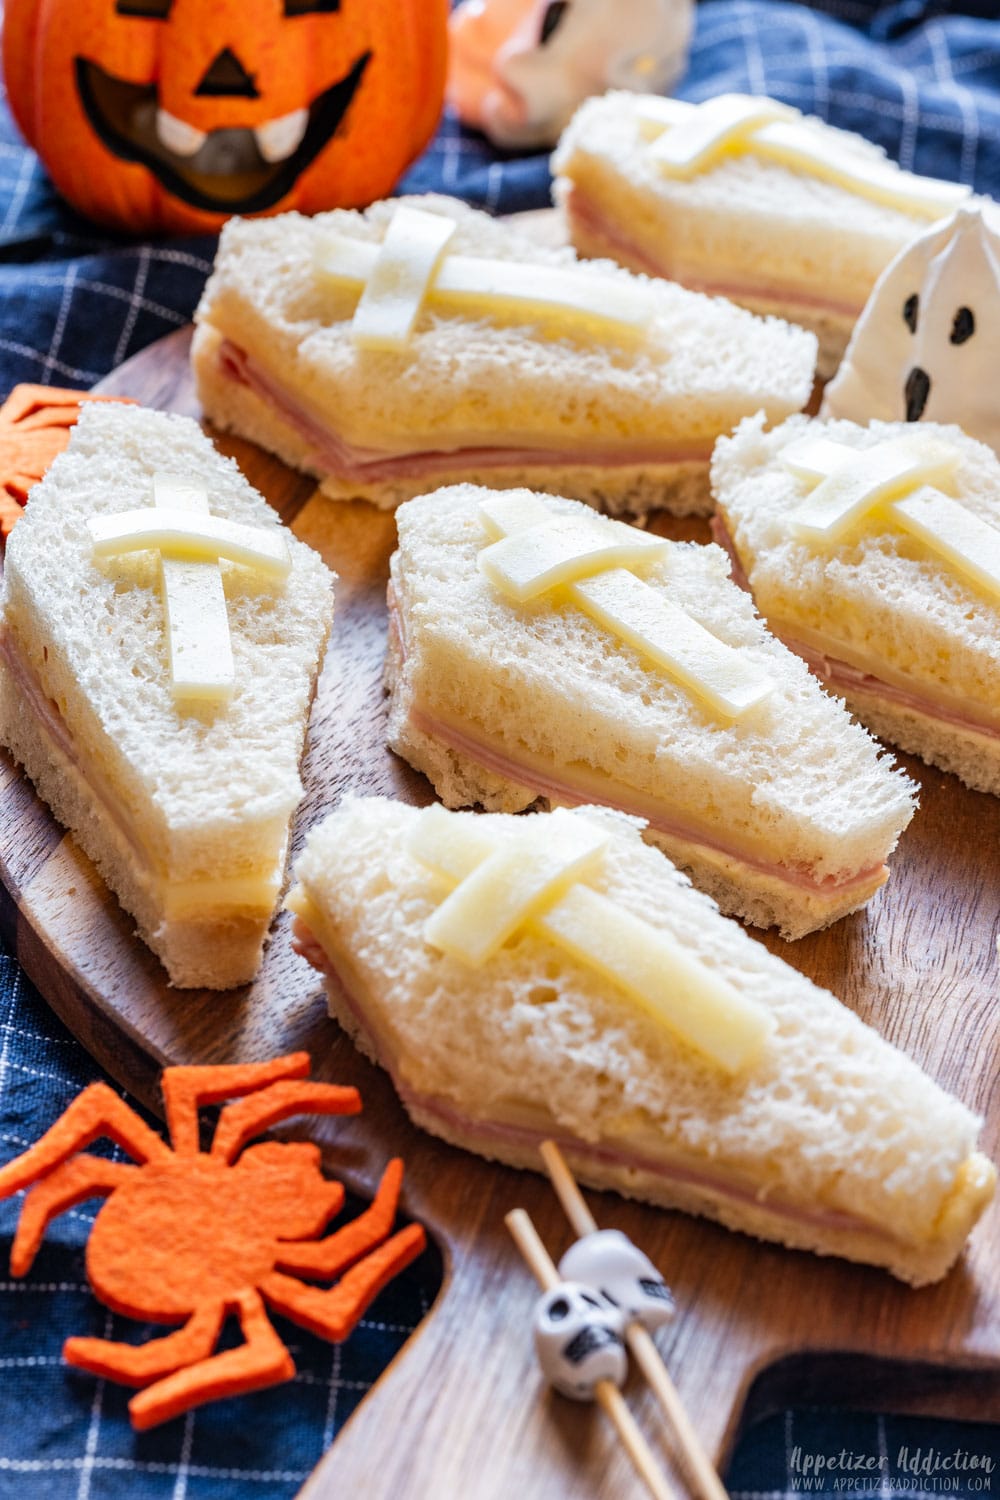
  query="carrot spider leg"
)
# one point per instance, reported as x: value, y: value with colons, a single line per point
x: 97, y: 1111
x: 240, y: 1122
x: 327, y: 1257
x: 262, y: 1360
x: 185, y: 1090
x: 71, y: 1182
x: 138, y: 1364
x: 334, y: 1311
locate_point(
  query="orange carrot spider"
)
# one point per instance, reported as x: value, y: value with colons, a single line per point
x: 188, y: 1236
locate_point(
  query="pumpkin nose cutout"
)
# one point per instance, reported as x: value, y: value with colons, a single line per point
x: 916, y: 391
x: 226, y: 77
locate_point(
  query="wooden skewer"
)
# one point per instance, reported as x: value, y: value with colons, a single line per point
x: 607, y: 1393
x: 639, y: 1339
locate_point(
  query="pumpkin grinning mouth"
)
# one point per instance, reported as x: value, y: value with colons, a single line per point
x: 227, y: 173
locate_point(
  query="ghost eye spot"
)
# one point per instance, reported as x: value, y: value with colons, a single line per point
x: 555, y: 13
x: 559, y: 1309
x: 911, y: 308
x: 147, y: 10
x: 311, y: 7
x: 964, y: 325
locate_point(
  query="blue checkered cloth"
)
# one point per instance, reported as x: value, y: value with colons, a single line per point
x: 922, y: 77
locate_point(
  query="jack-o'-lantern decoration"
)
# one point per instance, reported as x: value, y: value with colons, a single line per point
x: 175, y: 114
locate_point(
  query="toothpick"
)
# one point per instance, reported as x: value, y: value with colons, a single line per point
x: 606, y: 1392
x: 639, y: 1339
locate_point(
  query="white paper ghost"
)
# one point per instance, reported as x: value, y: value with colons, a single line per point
x: 608, y: 1261
x: 519, y: 68
x: 927, y: 346
x: 578, y: 1339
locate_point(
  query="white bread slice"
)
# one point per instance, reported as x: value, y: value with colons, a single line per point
x: 466, y: 387
x: 880, y: 603
x: 785, y: 816
x: 770, y: 237
x: 831, y: 1140
x: 169, y: 803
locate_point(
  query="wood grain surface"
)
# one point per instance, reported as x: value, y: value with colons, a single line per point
x: 461, y: 1414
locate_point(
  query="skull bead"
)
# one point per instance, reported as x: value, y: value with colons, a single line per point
x: 608, y: 1261
x: 578, y: 1339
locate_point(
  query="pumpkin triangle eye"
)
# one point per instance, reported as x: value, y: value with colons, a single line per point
x: 911, y: 308
x: 964, y: 325
x: 148, y: 10
x: 311, y: 7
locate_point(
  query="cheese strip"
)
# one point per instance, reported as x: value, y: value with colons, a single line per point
x: 869, y: 476
x: 685, y: 144
x: 178, y: 533
x: 646, y: 963
x: 559, y: 551
x: 823, y: 155
x: 713, y: 129
x: 198, y: 641
x: 970, y: 544
x: 248, y: 893
x: 528, y: 561
x: 658, y: 629
x: 816, y: 458
x: 450, y: 844
x: 489, y: 905
x: 513, y: 510
x: 561, y: 297
x: 402, y: 272
x: 673, y: 986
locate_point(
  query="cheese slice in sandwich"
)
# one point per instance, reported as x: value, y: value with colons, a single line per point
x: 745, y: 198
x: 874, y: 553
x: 648, y: 684
x: 718, y: 1080
x: 158, y: 697
x: 423, y: 342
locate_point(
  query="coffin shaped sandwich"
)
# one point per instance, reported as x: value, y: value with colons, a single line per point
x: 539, y: 651
x: 423, y: 342
x: 162, y: 633
x: 874, y: 552
x: 744, y: 197
x: 552, y: 975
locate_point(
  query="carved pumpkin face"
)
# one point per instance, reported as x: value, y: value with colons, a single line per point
x: 174, y: 114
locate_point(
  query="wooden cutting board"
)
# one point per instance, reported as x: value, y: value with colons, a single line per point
x: 461, y: 1414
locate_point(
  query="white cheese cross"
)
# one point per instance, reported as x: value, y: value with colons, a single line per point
x: 688, y: 139
x: 589, y: 558
x: 531, y: 877
x: 412, y: 268
x: 190, y: 543
x: 900, y: 478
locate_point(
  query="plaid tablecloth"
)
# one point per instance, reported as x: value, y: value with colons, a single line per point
x: 922, y: 77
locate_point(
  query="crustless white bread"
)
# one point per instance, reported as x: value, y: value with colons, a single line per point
x: 829, y: 1140
x: 185, y: 812
x: 911, y: 645
x: 770, y: 236
x: 627, y: 427
x: 785, y: 816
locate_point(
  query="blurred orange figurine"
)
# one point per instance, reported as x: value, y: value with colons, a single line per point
x: 188, y: 1236
x: 519, y: 68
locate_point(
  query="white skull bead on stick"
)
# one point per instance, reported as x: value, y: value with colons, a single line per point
x: 578, y: 1339
x: 924, y: 347
x: 608, y: 1261
x: 518, y: 69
